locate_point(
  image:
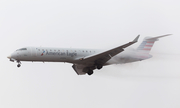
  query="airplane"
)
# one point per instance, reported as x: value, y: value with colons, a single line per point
x: 86, y: 60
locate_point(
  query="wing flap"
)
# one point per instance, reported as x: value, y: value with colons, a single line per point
x: 79, y: 69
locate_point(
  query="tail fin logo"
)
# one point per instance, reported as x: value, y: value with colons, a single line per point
x: 148, y: 43
x: 43, y: 53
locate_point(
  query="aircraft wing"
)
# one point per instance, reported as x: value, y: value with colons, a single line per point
x: 103, y: 57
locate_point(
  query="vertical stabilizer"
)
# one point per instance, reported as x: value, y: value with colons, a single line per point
x: 148, y: 43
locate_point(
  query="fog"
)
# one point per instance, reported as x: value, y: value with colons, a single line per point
x: 94, y: 24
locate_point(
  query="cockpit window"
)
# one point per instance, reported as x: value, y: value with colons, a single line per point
x: 21, y: 49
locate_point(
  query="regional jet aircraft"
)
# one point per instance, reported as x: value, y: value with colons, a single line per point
x: 86, y: 60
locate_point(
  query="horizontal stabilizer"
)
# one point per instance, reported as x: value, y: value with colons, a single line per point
x: 156, y: 38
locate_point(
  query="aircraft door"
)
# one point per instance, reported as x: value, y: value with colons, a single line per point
x: 34, y: 52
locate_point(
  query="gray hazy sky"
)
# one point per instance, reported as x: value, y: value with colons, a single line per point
x: 90, y: 24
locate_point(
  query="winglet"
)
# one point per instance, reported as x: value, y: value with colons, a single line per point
x: 136, y: 39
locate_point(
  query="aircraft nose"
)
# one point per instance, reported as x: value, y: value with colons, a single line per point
x: 9, y: 57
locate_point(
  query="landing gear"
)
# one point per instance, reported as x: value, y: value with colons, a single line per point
x: 90, y: 72
x: 19, y: 64
x: 99, y: 66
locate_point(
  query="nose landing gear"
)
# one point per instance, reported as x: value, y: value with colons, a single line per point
x: 19, y: 64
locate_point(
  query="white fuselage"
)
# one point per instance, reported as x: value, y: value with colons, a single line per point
x: 70, y: 55
x: 50, y: 54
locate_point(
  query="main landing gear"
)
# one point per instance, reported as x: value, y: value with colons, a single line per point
x: 99, y: 66
x: 90, y: 72
x: 19, y: 64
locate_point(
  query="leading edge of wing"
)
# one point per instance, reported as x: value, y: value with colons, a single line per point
x: 109, y: 53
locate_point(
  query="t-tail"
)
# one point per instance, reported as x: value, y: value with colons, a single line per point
x: 146, y: 46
